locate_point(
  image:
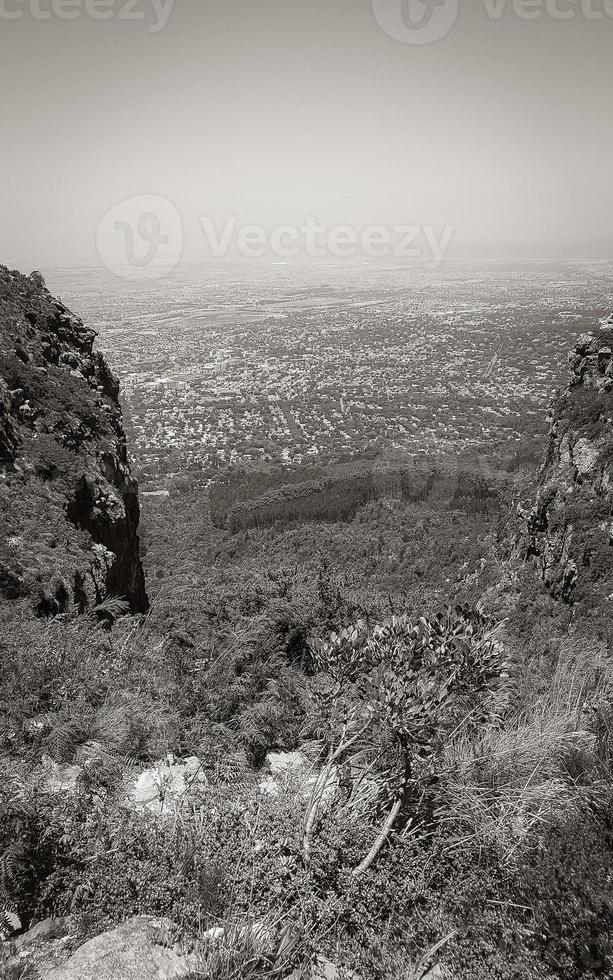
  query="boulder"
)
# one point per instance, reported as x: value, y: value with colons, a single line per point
x: 325, y: 969
x: 164, y: 788
x: 284, y: 769
x: 39, y: 950
x: 282, y: 763
x: 143, y: 948
x: 42, y: 932
x: 293, y: 771
x: 60, y: 777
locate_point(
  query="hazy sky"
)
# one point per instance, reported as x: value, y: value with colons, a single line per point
x: 273, y: 110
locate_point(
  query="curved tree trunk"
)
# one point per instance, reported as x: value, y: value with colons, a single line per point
x: 389, y: 822
x: 380, y: 841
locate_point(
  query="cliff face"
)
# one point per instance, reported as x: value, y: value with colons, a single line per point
x: 69, y: 509
x: 568, y: 529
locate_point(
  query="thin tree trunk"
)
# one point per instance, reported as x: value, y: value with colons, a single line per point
x: 389, y: 823
x: 380, y: 841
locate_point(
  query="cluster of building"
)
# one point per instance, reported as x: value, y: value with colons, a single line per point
x: 323, y: 375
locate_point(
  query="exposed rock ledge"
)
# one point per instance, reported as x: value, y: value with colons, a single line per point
x: 568, y: 528
x: 69, y: 504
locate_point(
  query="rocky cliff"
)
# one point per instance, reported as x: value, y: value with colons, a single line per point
x: 69, y: 509
x: 568, y: 528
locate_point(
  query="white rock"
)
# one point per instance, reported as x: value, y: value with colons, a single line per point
x: 284, y: 769
x: 163, y: 788
x: 60, y: 778
x: 269, y: 786
x: 293, y: 772
x: 585, y: 455
x: 281, y: 763
x: 148, y: 788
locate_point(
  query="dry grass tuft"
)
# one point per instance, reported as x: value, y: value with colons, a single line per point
x: 535, y: 766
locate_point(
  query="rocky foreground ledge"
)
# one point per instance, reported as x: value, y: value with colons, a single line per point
x: 149, y: 947
x: 69, y: 504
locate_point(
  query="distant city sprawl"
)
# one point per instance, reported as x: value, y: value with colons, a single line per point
x: 224, y: 370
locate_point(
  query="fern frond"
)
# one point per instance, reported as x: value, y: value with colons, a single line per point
x: 9, y: 922
x: 233, y: 768
x: 64, y: 740
x: 12, y: 863
x: 112, y: 726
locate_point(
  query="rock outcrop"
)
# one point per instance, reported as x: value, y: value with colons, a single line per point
x: 568, y: 529
x: 68, y: 502
x: 143, y: 947
x: 148, y: 947
x: 165, y: 788
x: 39, y: 950
x: 293, y: 772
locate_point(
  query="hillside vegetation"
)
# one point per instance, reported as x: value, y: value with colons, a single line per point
x: 437, y: 671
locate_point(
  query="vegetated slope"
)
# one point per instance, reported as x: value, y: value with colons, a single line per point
x: 568, y: 530
x: 463, y: 763
x: 68, y: 503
